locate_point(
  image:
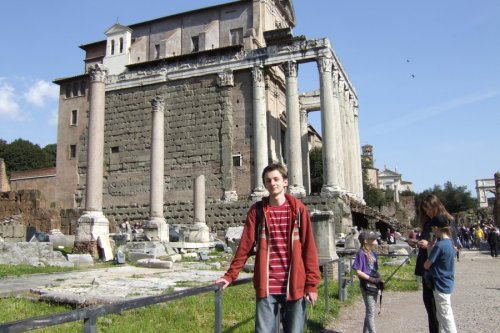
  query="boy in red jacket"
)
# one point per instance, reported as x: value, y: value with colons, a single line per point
x: 286, y: 264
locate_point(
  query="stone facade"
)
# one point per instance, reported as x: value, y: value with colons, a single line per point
x: 229, y: 88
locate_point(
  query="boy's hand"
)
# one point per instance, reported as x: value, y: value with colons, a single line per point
x: 311, y: 297
x: 222, y: 280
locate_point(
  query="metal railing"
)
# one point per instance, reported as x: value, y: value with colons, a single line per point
x: 89, y: 315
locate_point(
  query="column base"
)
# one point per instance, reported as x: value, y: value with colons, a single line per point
x: 92, y: 235
x: 156, y: 229
x: 230, y: 196
x: 259, y: 193
x: 199, y: 233
x: 331, y: 191
x: 297, y: 191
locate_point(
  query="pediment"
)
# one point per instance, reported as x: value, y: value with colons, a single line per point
x: 389, y: 173
x: 117, y: 28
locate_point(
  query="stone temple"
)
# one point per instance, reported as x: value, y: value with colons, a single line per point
x: 210, y: 92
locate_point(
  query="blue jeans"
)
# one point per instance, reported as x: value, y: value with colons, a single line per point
x: 293, y: 314
x: 370, y: 308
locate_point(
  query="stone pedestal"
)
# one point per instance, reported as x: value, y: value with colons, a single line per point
x: 92, y: 226
x: 156, y: 229
x: 199, y: 233
x: 297, y: 191
x: 323, y: 223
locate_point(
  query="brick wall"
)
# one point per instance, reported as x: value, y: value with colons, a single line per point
x: 25, y: 209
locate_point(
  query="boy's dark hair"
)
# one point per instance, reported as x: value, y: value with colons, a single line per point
x: 275, y: 166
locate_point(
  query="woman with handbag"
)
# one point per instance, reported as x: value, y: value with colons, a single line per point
x: 366, y: 266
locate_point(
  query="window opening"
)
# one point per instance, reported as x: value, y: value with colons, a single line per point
x: 74, y: 118
x: 236, y: 36
x: 237, y: 160
x: 195, y: 44
x: 72, y: 151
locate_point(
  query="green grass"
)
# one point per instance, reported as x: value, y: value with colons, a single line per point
x: 190, y: 314
x: 403, y: 280
x: 18, y: 270
x: 196, y: 313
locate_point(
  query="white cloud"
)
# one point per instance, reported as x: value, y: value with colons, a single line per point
x: 9, y: 108
x: 40, y: 91
x: 410, y: 118
x: 53, y: 118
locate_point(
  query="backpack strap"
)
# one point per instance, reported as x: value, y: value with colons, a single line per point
x: 259, y: 215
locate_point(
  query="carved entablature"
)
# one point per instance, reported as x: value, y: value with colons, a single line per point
x: 158, y: 104
x: 225, y: 79
x: 97, y: 73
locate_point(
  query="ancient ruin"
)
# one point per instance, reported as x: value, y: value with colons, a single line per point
x: 172, y: 121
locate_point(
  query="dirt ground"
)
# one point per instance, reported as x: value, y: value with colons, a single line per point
x: 475, y: 302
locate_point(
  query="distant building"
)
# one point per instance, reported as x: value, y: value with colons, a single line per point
x: 386, y: 179
x: 43, y: 180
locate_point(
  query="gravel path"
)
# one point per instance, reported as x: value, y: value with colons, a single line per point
x: 475, y: 302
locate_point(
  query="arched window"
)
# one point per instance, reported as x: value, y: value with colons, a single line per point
x: 121, y: 44
x: 112, y: 46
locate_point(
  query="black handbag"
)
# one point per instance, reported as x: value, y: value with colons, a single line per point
x: 372, y: 288
x: 428, y: 280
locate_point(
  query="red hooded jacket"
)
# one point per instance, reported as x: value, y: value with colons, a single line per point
x: 304, y: 273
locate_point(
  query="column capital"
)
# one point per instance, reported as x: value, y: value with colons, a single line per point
x: 290, y: 68
x: 325, y: 64
x: 258, y: 74
x: 98, y: 73
x: 158, y: 104
x: 225, y: 79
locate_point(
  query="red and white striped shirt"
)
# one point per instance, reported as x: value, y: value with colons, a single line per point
x: 278, y: 248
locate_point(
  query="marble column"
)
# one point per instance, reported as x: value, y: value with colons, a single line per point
x: 306, y: 166
x: 260, y: 148
x: 357, y: 155
x: 346, y: 139
x: 156, y: 229
x: 295, y: 183
x: 93, y: 227
x: 225, y: 82
x: 199, y: 231
x: 330, y: 128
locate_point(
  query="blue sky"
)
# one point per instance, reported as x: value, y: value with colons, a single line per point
x: 427, y: 73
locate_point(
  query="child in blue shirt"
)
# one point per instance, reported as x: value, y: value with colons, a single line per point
x: 441, y: 266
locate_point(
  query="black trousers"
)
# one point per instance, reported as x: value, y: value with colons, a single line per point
x: 430, y: 307
x: 493, y: 249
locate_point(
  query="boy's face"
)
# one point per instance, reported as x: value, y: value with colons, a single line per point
x: 274, y: 182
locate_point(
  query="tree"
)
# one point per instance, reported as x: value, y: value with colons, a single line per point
x: 22, y: 155
x: 316, y: 165
x: 454, y: 198
x: 51, y: 151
